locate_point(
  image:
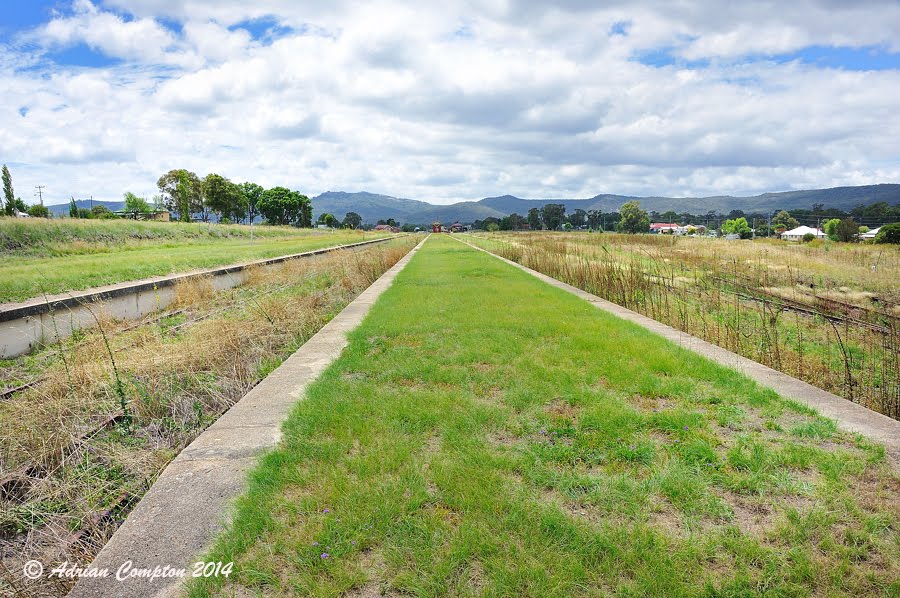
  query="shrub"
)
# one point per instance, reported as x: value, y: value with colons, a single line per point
x: 38, y: 211
x: 808, y: 237
x: 889, y: 233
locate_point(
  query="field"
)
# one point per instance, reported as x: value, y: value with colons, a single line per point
x: 109, y: 408
x: 827, y: 313
x: 40, y: 256
x: 487, y: 434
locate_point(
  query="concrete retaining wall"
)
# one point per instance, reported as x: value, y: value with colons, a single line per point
x: 26, y: 325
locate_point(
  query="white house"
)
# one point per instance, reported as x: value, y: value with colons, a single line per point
x: 869, y: 236
x: 798, y: 233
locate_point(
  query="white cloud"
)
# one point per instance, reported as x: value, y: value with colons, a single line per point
x: 452, y: 101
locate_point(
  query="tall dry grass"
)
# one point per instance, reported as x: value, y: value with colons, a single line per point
x: 177, y: 379
x: 723, y: 292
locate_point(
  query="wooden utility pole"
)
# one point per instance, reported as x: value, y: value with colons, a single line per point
x: 40, y: 192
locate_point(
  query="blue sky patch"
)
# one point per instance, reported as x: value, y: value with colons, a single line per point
x: 620, y: 28
x: 867, y: 58
x: 81, y: 55
x: 264, y: 29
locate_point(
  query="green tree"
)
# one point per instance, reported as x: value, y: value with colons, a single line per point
x: 830, y: 228
x: 738, y: 226
x: 492, y: 227
x: 37, y: 211
x: 223, y: 197
x: 280, y: 205
x: 181, y: 191
x: 534, y: 219
x: 328, y: 220
x: 847, y: 230
x: 352, y: 220
x: 578, y: 218
x: 553, y: 215
x: 101, y: 213
x: 784, y: 221
x: 8, y: 194
x: 632, y: 219
x: 135, y: 205
x: 511, y: 222
x: 594, y: 219
x: 73, y: 208
x: 889, y: 233
x: 252, y: 193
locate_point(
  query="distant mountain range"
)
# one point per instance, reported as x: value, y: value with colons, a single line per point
x: 373, y: 207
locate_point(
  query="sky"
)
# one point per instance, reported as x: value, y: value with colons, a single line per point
x: 446, y: 101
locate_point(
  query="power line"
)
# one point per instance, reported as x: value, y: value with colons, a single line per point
x: 40, y: 192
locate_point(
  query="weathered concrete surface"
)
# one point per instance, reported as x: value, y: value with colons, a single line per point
x: 26, y: 324
x: 849, y: 416
x: 179, y: 517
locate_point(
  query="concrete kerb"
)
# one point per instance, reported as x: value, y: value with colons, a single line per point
x: 848, y: 415
x: 26, y: 324
x: 179, y: 517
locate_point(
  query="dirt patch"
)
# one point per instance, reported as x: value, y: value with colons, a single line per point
x: 753, y: 516
x: 502, y: 438
x: 651, y: 404
x: 668, y: 520
x: 563, y: 410
x: 878, y: 491
x: 371, y: 562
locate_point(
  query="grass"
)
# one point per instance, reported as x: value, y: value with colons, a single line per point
x: 173, y: 377
x: 54, y: 256
x: 487, y: 434
x: 785, y: 305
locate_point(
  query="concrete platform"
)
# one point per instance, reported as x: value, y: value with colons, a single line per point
x: 848, y: 415
x: 179, y: 517
x: 27, y: 324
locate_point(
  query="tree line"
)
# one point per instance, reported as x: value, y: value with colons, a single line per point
x: 186, y: 196
x: 631, y: 218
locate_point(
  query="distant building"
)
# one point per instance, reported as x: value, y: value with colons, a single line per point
x: 456, y: 227
x: 665, y: 228
x: 386, y: 228
x: 437, y: 227
x: 869, y: 236
x: 797, y: 234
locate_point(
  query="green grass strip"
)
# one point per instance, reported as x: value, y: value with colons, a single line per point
x: 488, y: 434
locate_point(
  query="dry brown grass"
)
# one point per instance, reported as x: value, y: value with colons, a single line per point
x: 174, y: 384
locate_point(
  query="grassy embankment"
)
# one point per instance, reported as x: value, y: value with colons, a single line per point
x: 54, y: 256
x: 815, y: 311
x: 113, y: 405
x: 487, y: 434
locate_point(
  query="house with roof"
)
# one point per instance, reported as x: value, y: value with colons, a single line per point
x: 663, y: 228
x: 870, y: 235
x: 797, y: 234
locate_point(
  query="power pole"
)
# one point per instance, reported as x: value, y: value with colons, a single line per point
x: 40, y: 192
